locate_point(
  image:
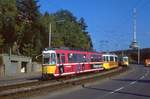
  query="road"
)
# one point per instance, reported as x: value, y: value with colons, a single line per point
x: 132, y: 85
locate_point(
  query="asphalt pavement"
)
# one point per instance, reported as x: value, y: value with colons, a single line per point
x: 131, y: 85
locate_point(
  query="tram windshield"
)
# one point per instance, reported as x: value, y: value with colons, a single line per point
x: 49, y: 58
x: 125, y: 59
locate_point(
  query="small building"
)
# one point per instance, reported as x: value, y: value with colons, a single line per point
x: 11, y: 65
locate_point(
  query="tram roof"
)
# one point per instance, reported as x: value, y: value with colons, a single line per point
x: 69, y: 50
x: 109, y: 55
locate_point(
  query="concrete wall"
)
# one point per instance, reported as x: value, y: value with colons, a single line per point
x: 1, y: 67
x: 36, y: 67
x: 12, y: 65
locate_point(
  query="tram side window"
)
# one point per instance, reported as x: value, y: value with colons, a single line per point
x: 116, y: 59
x: 97, y: 58
x: 83, y: 58
x: 100, y: 58
x: 88, y: 58
x: 103, y: 58
x: 111, y: 58
x: 63, y: 58
x: 93, y: 58
x: 75, y: 58
x: 58, y: 58
x: 70, y: 57
x: 107, y: 58
x: 78, y: 58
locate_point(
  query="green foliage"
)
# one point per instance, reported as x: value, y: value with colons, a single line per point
x: 28, y: 27
x: 1, y: 60
x: 26, y: 30
x: 28, y: 50
x: 71, y: 32
x: 1, y: 40
x: 8, y: 13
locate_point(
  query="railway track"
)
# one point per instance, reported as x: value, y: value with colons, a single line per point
x: 34, y: 88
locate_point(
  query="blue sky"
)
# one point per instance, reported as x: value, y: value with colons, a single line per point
x: 109, y: 22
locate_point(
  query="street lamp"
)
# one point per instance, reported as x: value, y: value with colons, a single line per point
x: 50, y: 31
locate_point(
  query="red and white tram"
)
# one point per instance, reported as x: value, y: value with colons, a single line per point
x: 60, y: 62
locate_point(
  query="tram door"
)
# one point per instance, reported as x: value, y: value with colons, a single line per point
x: 60, y: 61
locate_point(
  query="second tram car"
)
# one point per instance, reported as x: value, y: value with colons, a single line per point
x: 124, y: 61
x: 110, y: 61
x: 60, y: 62
x: 147, y: 62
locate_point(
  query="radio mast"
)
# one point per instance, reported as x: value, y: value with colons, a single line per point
x: 134, y: 43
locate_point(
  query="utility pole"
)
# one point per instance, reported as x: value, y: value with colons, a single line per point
x: 50, y: 33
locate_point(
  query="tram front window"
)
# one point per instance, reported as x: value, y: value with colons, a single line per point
x: 53, y: 58
x: 49, y: 59
x: 46, y: 60
x: 125, y: 59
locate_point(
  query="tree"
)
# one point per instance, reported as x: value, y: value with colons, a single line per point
x: 7, y: 20
x: 28, y: 25
x: 71, y: 33
x: 28, y: 10
x: 1, y: 40
x: 82, y: 24
x: 28, y: 50
x: 26, y: 30
x: 45, y: 21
